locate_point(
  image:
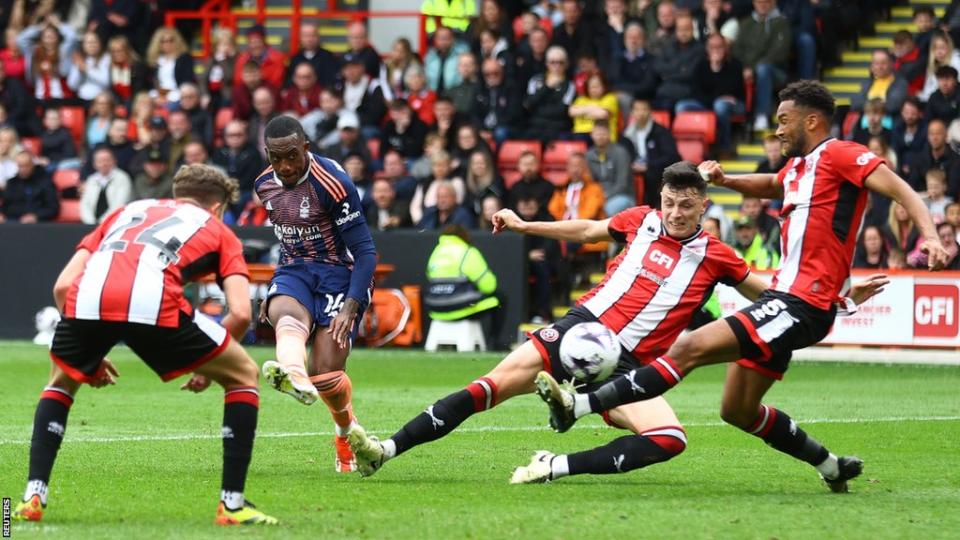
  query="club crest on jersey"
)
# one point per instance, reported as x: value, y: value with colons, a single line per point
x: 549, y: 335
x: 305, y: 207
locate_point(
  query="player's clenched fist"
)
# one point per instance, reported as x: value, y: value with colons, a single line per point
x: 506, y: 220
x: 712, y: 172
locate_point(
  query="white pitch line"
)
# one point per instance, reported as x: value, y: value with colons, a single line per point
x: 483, y: 429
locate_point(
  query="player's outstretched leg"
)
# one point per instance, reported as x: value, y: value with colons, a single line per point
x: 237, y: 373
x: 288, y: 374
x: 513, y: 376
x: 327, y: 363
x: 49, y: 426
x: 657, y: 437
x: 741, y: 407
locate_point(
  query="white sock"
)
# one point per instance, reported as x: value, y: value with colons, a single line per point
x: 36, y: 487
x: 389, y: 449
x: 343, y: 431
x: 559, y: 467
x: 830, y: 469
x: 233, y: 500
x: 581, y: 405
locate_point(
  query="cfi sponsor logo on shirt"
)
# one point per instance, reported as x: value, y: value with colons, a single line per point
x: 347, y: 215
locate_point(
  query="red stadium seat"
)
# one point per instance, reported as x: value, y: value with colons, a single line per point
x: 69, y: 211
x: 75, y: 120
x: 510, y: 177
x: 557, y: 178
x: 31, y: 144
x: 849, y: 121
x: 640, y: 187
x: 558, y: 153
x: 691, y: 150
x: 696, y: 125
x: 373, y: 146
x: 509, y: 154
x: 662, y: 118
x: 66, y: 179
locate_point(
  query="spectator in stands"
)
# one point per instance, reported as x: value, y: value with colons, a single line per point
x: 99, y: 116
x: 360, y: 50
x: 750, y: 247
x: 356, y: 169
x: 878, y: 145
x: 634, y: 76
x: 531, y: 183
x: 587, y: 66
x: 119, y: 143
x: 543, y: 261
x: 496, y: 47
x: 900, y: 232
x: 11, y: 57
x: 363, y: 96
x: 952, y: 216
x: 425, y: 195
x: 948, y: 237
x: 127, y: 75
x: 767, y: 226
x: 446, y: 121
x: 581, y: 197
x: 400, y: 58
x: 201, y: 123
x: 90, y: 69
x: 613, y: 22
x: 909, y: 134
x: 925, y: 20
x: 240, y: 159
x: 155, y: 180
x: 548, y: 99
x: 464, y: 95
x: 803, y: 27
x: 325, y: 65
x: 942, y: 54
x: 106, y: 190
x: 221, y: 69
x: 598, y: 105
x: 303, y: 96
x: 468, y: 142
x: 395, y: 170
x: 884, y: 84
x: 482, y: 181
x: 420, y: 98
x: 909, y: 64
x: 492, y: 17
x: 497, y: 105
x: 171, y: 62
x: 675, y: 64
x: 872, y: 252
x: 936, y: 155
x: 19, y: 104
x: 9, y: 148
x: 30, y: 196
x: 48, y: 85
x: 242, y: 94
x: 159, y: 138
x: 324, y: 131
x: 111, y: 18
x: 447, y: 210
x: 440, y: 62
x: 534, y: 61
x: 405, y: 132
x: 195, y: 153
x: 871, y: 123
x: 432, y: 145
x: 50, y: 42
x: 663, y: 27
x: 654, y: 149
x: 575, y: 35
x: 141, y: 112
x: 718, y: 86
x: 264, y: 110
x: 254, y: 214
x: 178, y: 123
x: 944, y: 104
x: 387, y: 211
x: 549, y: 11
x: 763, y: 47
x: 489, y: 206
x: 713, y: 18
x: 56, y: 142
x: 936, y: 197
x: 269, y: 60
x: 609, y: 164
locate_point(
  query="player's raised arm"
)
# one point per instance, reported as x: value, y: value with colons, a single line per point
x: 583, y: 231
x: 886, y: 182
x: 763, y: 186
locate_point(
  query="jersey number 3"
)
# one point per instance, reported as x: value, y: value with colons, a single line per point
x: 169, y: 249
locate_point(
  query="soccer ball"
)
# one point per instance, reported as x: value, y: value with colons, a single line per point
x: 589, y: 351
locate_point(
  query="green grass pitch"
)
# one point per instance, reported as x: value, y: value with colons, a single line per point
x: 142, y: 460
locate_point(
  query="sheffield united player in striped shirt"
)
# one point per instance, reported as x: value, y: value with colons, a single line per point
x: 323, y: 283
x: 648, y: 296
x: 824, y: 187
x: 125, y: 284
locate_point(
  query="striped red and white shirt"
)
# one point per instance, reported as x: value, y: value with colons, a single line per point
x: 823, y: 206
x: 653, y: 288
x: 142, y: 254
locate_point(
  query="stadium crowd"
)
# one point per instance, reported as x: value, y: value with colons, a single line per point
x: 102, y: 110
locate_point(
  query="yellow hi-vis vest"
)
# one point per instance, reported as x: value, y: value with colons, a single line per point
x: 455, y: 13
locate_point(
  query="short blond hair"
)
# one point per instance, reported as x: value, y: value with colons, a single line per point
x: 206, y: 185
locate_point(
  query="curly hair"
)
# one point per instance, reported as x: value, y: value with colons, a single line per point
x: 205, y: 184
x: 811, y: 95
